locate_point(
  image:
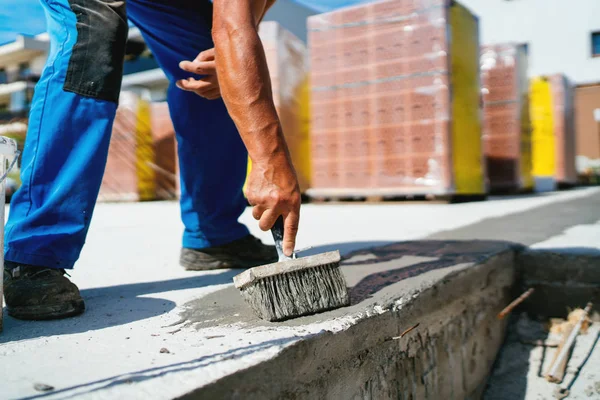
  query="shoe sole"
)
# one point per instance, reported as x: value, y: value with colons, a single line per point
x: 47, y: 311
x: 199, y: 264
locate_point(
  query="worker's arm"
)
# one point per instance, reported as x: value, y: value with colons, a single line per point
x: 245, y: 86
x: 204, y: 63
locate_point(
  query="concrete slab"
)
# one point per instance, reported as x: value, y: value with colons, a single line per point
x: 139, y: 301
x: 393, y: 288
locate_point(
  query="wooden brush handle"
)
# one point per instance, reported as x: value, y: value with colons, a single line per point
x: 277, y: 232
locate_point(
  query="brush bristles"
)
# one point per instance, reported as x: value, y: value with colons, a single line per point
x: 297, y: 293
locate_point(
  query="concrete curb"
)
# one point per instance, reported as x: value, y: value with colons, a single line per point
x: 448, y: 355
x: 450, y: 352
x: 563, y: 279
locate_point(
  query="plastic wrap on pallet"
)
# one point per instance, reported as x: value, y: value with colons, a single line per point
x: 507, y: 127
x: 553, y: 138
x: 165, y: 149
x: 141, y: 156
x: 288, y: 69
x: 129, y: 175
x: 382, y: 76
x: 564, y: 128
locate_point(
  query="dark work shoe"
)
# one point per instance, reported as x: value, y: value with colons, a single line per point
x: 246, y: 252
x: 38, y: 293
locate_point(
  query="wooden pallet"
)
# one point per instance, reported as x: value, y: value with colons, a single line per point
x: 589, y: 179
x: 511, y: 191
x: 405, y: 199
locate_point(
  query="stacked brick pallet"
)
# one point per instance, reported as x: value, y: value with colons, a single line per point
x: 382, y: 78
x: 287, y: 62
x: 563, y: 103
x: 165, y: 150
x: 506, y: 128
x: 128, y: 177
x: 553, y: 136
x: 141, y: 155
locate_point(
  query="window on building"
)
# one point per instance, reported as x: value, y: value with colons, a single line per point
x: 24, y: 71
x: 3, y: 76
x: 595, y: 44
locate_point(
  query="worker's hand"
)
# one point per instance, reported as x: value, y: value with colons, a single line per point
x: 204, y: 64
x: 272, y: 189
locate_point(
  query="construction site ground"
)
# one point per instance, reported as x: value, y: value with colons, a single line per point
x: 153, y: 330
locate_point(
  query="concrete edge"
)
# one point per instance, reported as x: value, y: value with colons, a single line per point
x: 563, y: 279
x: 448, y: 355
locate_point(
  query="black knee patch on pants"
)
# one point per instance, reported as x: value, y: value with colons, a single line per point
x: 96, y: 63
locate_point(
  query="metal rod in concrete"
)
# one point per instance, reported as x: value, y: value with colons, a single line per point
x: 406, y: 332
x: 515, y: 303
x: 557, y: 370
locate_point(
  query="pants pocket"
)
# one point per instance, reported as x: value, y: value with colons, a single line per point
x: 96, y: 64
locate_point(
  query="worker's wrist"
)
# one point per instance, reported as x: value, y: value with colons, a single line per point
x: 274, y: 155
x: 267, y: 144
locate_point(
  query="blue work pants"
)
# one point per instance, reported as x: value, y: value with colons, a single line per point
x: 71, y: 120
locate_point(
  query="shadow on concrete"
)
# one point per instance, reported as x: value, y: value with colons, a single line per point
x: 584, y: 362
x: 112, y: 306
x: 156, y: 372
x: 508, y: 379
x: 527, y: 195
x: 564, y: 278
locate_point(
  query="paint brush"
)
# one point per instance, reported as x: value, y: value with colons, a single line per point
x: 293, y: 287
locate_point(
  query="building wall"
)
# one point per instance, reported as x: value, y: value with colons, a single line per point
x: 37, y: 64
x: 19, y: 100
x: 558, y: 33
x: 587, y: 101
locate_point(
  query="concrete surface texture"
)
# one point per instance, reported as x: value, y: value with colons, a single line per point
x: 154, y: 330
x: 443, y: 294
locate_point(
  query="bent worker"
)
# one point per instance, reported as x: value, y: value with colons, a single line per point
x: 70, y: 122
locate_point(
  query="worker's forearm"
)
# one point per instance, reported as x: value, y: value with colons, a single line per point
x: 245, y: 85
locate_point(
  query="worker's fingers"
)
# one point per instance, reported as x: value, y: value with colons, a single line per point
x: 199, y: 67
x: 195, y: 85
x: 206, y: 55
x: 257, y: 212
x: 289, y: 233
x: 212, y: 94
x: 267, y: 219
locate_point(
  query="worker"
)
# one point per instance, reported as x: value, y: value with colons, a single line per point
x: 222, y: 109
